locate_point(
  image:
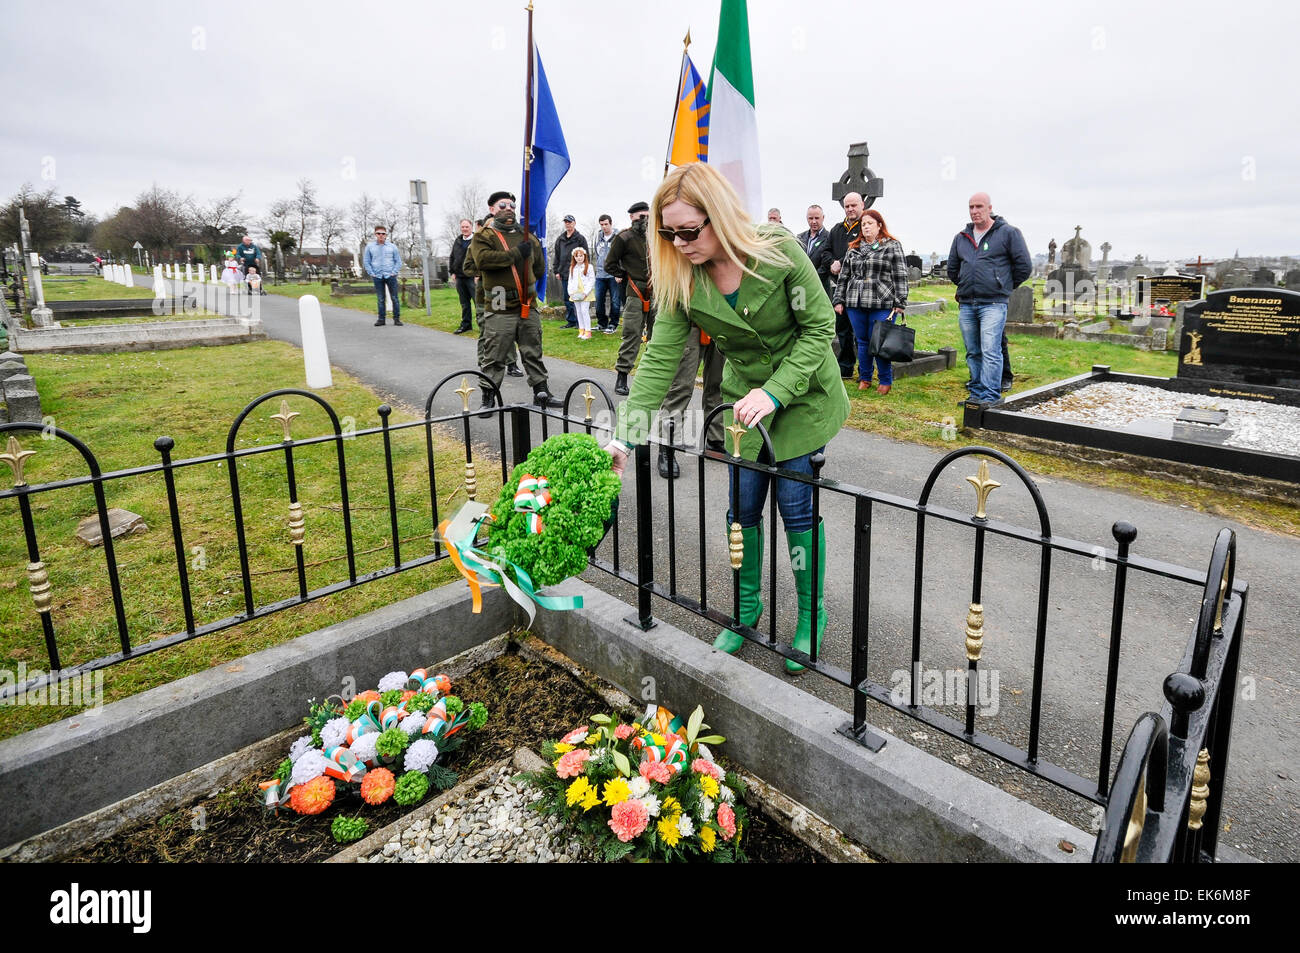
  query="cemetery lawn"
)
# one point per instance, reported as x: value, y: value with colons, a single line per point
x: 118, y: 404
x: 92, y: 288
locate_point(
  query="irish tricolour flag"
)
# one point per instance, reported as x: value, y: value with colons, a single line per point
x: 733, y: 124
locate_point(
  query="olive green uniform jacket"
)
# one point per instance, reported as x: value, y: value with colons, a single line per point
x: 493, y: 263
x: 778, y: 337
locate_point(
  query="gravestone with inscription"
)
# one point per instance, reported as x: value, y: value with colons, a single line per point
x: 1020, y: 306
x: 1168, y: 289
x: 1264, y: 278
x: 1243, y: 336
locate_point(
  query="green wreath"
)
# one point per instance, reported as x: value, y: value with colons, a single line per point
x: 583, y: 490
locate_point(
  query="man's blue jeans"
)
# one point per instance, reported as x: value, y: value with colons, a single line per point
x: 611, y: 289
x: 793, y: 500
x: 391, y: 283
x: 981, y: 331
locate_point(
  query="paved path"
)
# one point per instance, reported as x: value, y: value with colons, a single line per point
x: 1262, y: 801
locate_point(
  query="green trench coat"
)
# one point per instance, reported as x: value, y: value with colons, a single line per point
x: 769, y: 341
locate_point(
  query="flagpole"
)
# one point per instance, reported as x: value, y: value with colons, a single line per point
x: 528, y: 120
x: 672, y: 124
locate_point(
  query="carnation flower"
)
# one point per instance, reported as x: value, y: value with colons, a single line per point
x: 685, y: 826
x: 411, y: 788
x: 639, y: 786
x: 368, y: 696
x: 616, y: 791
x: 312, y: 797
x: 300, y: 747
x: 651, y: 804
x: 572, y: 763
x: 412, y: 723
x: 364, y: 748
x: 704, y: 766
x: 706, y: 808
x: 623, y: 732
x: 335, y: 730
x: 421, y: 755
x: 628, y: 819
x: 656, y: 771
x: 576, y: 736
x: 377, y: 786
x: 311, y: 765
x: 392, y: 680
x: 727, y: 821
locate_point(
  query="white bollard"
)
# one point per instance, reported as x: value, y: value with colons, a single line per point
x: 117, y: 275
x: 315, y: 355
x: 215, y: 276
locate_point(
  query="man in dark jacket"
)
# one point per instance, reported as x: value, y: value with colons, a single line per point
x: 570, y: 239
x: 813, y: 240
x: 508, y: 262
x: 249, y: 256
x: 628, y: 263
x: 464, y: 281
x: 988, y: 260
x: 832, y: 254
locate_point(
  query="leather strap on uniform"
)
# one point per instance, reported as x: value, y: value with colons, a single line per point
x: 645, y: 302
x: 514, y: 270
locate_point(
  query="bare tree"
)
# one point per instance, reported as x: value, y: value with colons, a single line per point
x: 278, y: 216
x: 333, y: 221
x: 469, y: 201
x: 389, y: 214
x: 216, y: 223
x: 159, y: 219
x: 363, y: 215
x: 305, y: 208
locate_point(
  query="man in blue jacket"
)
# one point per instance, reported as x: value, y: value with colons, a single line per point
x: 987, y: 261
x: 383, y: 261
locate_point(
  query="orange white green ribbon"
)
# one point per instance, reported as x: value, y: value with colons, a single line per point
x: 532, y: 497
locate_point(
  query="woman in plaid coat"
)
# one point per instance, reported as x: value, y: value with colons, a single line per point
x: 872, y: 285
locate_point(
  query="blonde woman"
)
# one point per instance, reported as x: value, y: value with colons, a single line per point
x: 582, y: 289
x: 754, y: 291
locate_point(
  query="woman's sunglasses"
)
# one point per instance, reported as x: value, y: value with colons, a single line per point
x: 685, y: 234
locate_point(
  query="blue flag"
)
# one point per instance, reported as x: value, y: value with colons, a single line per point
x: 550, y: 159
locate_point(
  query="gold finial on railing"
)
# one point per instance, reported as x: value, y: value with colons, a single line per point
x: 983, y: 487
x: 1136, y: 821
x: 588, y: 396
x: 285, y: 416
x: 1200, y: 790
x: 736, y: 432
x: 974, y: 631
x: 38, y: 578
x: 297, y: 523
x: 737, y: 546
x: 16, y: 456
x: 471, y: 480
x: 464, y: 390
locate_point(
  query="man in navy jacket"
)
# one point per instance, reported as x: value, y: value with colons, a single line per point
x: 987, y: 261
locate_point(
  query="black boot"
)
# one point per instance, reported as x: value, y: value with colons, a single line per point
x: 465, y: 326
x: 514, y: 371
x: 488, y: 403
x: 620, y: 384
x: 665, y: 463
x: 542, y: 398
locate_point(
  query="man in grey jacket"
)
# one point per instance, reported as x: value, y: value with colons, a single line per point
x: 988, y: 260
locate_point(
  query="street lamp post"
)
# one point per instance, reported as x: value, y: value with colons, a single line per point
x: 420, y: 196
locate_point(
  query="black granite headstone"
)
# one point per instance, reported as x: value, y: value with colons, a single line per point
x: 1171, y: 288
x: 1243, y: 335
x: 1264, y: 277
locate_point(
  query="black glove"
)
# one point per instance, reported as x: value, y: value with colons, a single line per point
x: 520, y: 253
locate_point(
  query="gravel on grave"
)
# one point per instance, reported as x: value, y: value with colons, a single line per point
x: 491, y: 825
x: 1256, y: 424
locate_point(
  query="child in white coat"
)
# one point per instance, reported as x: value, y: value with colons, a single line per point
x: 582, y: 290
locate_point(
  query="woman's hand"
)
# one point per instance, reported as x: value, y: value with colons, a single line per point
x: 839, y: 309
x: 618, y: 455
x: 895, y: 313
x: 753, y: 407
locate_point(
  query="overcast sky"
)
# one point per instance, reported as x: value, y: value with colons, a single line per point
x: 1167, y: 129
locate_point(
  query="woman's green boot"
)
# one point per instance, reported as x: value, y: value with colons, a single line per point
x: 800, y: 545
x: 751, y: 580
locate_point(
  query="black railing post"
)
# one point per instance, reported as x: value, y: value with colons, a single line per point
x: 672, y: 517
x: 1124, y: 534
x: 521, y: 434
x: 384, y: 412
x: 645, y: 562
x: 164, y: 446
x: 857, y: 729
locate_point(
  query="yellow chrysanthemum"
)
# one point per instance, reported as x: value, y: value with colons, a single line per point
x: 590, y: 799
x: 576, y: 791
x: 670, y: 805
x: 657, y: 739
x: 561, y: 748
x: 708, y: 839
x: 667, y: 828
x: 593, y: 737
x: 709, y: 786
x: 616, y: 791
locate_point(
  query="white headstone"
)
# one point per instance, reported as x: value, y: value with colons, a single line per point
x: 127, y: 278
x: 167, y: 270
x: 189, y: 274
x: 159, y: 285
x: 200, y: 272
x: 214, y: 273
x: 315, y: 355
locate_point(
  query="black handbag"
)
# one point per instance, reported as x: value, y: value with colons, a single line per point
x: 893, y: 342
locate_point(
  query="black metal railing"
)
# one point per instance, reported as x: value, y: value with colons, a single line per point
x: 1207, y: 674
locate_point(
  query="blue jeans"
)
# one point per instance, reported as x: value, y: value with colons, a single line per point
x: 981, y: 331
x: 863, y: 321
x: 608, y: 287
x: 793, y: 500
x: 391, y: 283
